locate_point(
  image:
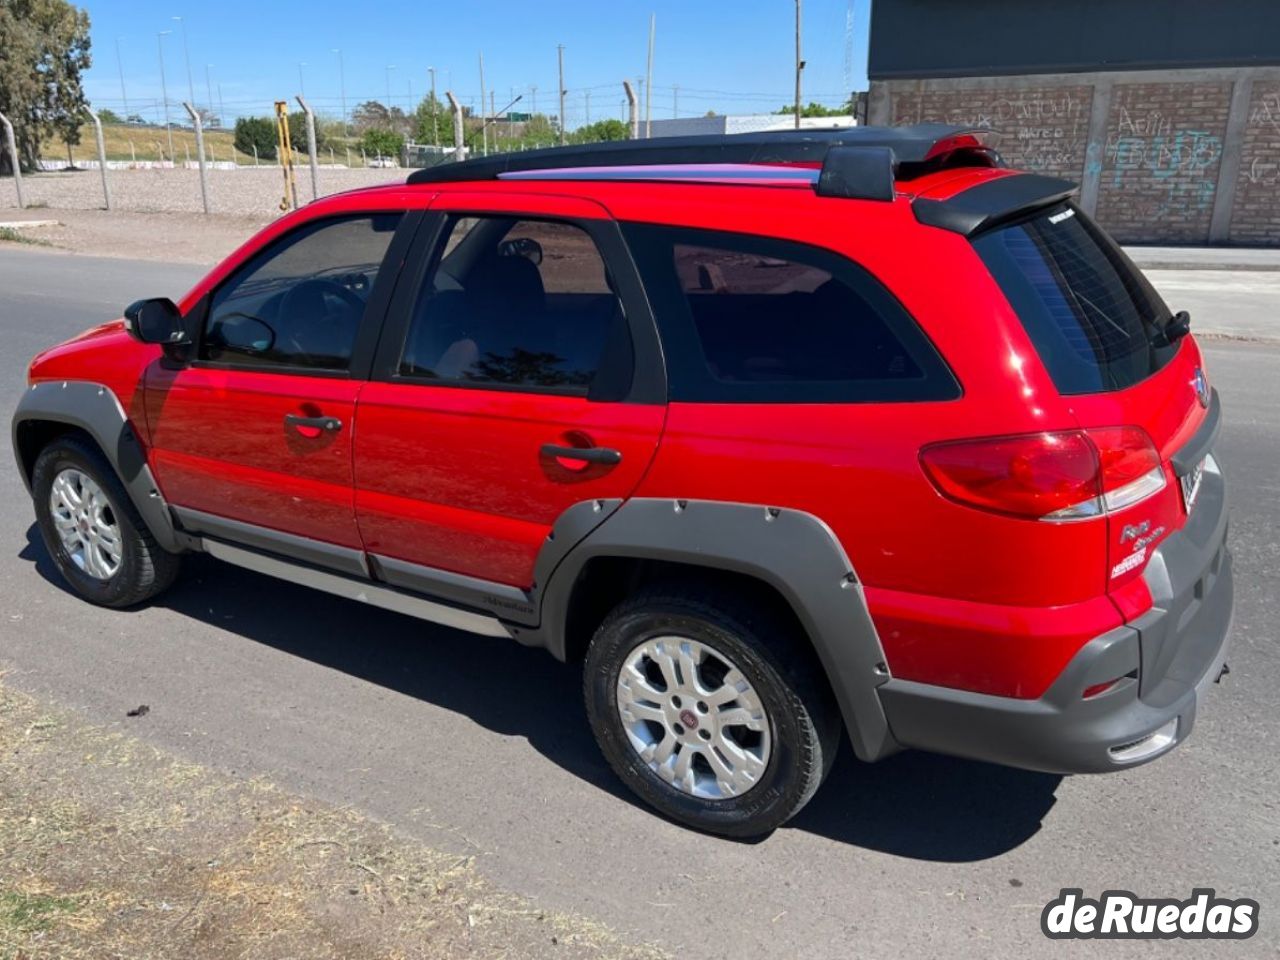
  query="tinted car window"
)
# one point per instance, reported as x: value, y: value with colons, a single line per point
x: 1092, y: 316
x: 299, y: 303
x: 515, y: 303
x: 763, y: 320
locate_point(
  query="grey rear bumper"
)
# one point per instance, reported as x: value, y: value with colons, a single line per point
x: 1175, y: 651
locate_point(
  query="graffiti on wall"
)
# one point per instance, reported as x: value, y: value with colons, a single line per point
x: 1181, y: 162
x: 1255, y: 215
x: 1160, y: 159
x: 1264, y: 167
x: 1040, y: 130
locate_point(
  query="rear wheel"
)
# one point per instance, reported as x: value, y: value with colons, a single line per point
x: 710, y: 710
x: 90, y: 527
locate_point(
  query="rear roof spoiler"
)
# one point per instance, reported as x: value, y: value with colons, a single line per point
x: 857, y: 162
x: 983, y: 206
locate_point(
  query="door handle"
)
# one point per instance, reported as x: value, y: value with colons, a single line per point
x: 605, y: 455
x: 327, y: 424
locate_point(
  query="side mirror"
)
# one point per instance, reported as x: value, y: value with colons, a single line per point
x: 156, y: 321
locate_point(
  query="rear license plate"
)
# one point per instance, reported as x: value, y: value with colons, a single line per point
x: 1191, y: 484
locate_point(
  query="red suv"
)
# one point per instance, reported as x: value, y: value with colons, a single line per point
x: 785, y: 435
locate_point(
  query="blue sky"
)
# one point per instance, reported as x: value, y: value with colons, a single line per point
x: 731, y: 57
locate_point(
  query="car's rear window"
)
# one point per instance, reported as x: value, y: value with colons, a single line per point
x: 1092, y: 316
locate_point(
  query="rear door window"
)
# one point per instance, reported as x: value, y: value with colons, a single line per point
x: 1091, y: 314
x: 757, y: 319
x: 521, y: 305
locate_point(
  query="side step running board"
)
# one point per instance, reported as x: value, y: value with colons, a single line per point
x: 363, y: 591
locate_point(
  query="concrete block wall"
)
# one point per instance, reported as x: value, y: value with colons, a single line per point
x: 1169, y: 156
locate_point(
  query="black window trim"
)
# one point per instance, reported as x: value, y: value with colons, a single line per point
x: 362, y: 353
x: 648, y: 383
x: 692, y: 382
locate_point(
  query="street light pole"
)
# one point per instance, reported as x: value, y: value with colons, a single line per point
x: 390, y: 67
x: 484, y: 121
x: 560, y: 56
x: 120, y: 66
x: 342, y: 85
x: 302, y: 86
x: 164, y: 90
x: 435, y: 123
x: 186, y: 54
x: 648, y: 80
x: 799, y: 65
x: 208, y: 89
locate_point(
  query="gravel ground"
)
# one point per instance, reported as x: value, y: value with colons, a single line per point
x: 246, y: 192
x: 157, y: 214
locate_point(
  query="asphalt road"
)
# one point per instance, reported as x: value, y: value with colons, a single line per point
x: 480, y: 746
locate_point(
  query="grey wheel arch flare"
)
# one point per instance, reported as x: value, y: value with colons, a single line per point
x: 793, y: 551
x: 95, y: 409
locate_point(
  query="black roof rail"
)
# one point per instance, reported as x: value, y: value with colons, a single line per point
x: 858, y: 162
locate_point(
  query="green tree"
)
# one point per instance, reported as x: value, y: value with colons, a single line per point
x: 382, y: 143
x: 540, y: 129
x: 370, y: 115
x: 259, y: 132
x: 107, y: 115
x: 432, y: 122
x: 44, y: 48
x: 298, y: 132
x: 601, y: 130
x: 818, y: 110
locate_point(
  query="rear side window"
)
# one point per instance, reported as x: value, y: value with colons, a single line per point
x: 1090, y: 313
x: 755, y: 319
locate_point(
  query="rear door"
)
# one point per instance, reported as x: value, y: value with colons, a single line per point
x: 518, y: 375
x: 251, y: 441
x: 1098, y: 327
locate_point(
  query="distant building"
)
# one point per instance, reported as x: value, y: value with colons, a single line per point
x: 740, y: 123
x: 1167, y: 112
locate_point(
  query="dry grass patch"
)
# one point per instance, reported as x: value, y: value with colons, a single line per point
x: 14, y: 235
x: 111, y: 848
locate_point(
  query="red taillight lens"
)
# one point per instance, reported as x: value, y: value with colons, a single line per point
x: 1028, y: 476
x: 1131, y: 469
x: 1066, y: 475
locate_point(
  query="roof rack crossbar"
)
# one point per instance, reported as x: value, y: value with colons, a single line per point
x: 857, y: 162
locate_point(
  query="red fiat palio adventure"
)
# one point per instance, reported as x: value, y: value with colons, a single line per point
x: 786, y: 436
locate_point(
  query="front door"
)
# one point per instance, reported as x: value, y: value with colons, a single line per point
x: 505, y: 389
x: 257, y: 428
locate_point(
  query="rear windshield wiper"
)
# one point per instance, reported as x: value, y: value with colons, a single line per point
x: 1173, y: 330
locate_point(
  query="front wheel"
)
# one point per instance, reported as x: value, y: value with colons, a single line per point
x: 711, y: 710
x: 97, y: 539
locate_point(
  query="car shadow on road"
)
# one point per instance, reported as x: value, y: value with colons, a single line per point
x: 914, y: 805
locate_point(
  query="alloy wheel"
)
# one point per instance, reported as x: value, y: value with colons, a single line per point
x: 86, y: 524
x: 693, y: 717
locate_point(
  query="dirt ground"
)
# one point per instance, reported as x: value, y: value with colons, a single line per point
x: 110, y: 848
x: 173, y: 237
x: 243, y: 192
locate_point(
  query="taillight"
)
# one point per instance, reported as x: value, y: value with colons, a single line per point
x: 1061, y: 475
x: 1131, y: 469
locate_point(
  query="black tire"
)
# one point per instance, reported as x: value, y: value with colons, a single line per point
x: 804, y: 722
x: 145, y: 569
